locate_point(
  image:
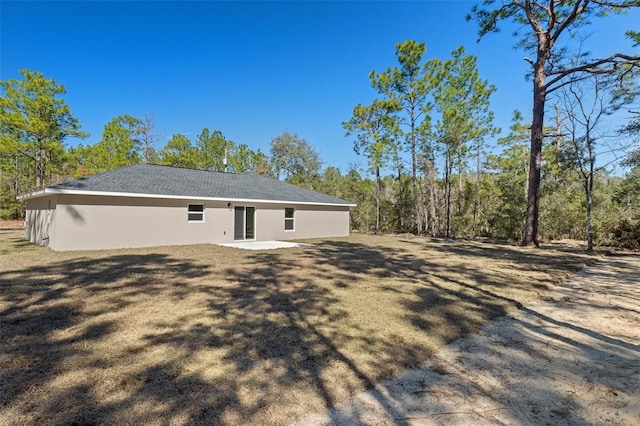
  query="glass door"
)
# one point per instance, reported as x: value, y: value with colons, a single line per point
x: 238, y: 224
x: 250, y: 223
x: 244, y: 226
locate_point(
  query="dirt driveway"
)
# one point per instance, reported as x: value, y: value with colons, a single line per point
x: 572, y: 358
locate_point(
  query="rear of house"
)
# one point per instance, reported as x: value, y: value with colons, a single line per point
x: 146, y: 205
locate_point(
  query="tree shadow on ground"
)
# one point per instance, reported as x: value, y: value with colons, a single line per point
x: 13, y: 244
x: 47, y: 312
x: 552, y: 363
x: 262, y: 339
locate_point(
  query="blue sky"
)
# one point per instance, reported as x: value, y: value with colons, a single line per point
x: 252, y: 69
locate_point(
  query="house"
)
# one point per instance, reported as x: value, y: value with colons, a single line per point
x: 147, y: 205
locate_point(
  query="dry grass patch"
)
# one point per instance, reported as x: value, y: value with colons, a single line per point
x: 207, y: 334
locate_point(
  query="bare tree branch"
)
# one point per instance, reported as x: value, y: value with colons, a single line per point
x: 614, y: 60
x: 578, y: 8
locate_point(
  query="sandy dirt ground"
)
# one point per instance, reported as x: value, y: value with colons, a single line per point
x: 11, y: 224
x: 571, y: 358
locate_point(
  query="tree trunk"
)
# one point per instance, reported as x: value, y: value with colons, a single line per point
x: 377, y: 199
x: 430, y: 177
x: 16, y: 177
x: 38, y: 167
x: 414, y: 177
x: 435, y: 224
x: 399, y: 199
x: 447, y: 191
x: 588, y: 191
x: 537, y: 137
x: 476, y: 203
x: 460, y: 200
x: 589, y: 195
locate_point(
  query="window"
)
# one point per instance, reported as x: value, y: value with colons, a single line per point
x: 289, y: 219
x: 195, y: 213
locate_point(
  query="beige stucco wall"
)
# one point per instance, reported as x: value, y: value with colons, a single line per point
x: 85, y: 222
x: 40, y: 220
x: 309, y: 222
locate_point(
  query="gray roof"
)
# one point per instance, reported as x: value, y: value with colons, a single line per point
x: 150, y: 179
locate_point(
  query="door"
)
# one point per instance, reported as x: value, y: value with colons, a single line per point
x: 244, y: 227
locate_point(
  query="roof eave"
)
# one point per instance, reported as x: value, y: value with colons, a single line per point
x: 35, y: 194
x: 50, y: 191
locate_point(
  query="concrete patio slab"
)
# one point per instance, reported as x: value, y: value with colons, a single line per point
x: 264, y: 245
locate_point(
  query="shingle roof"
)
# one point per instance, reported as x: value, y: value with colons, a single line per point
x: 147, y: 179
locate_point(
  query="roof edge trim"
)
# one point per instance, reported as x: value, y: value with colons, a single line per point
x: 30, y: 195
x: 52, y: 191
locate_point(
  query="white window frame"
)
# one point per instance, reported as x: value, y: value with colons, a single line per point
x: 290, y: 219
x: 195, y: 212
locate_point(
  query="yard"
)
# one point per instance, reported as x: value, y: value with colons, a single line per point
x: 205, y: 334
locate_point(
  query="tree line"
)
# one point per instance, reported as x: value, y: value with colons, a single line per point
x: 439, y: 113
x: 554, y: 33
x: 36, y: 122
x: 481, y: 194
x: 432, y: 167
